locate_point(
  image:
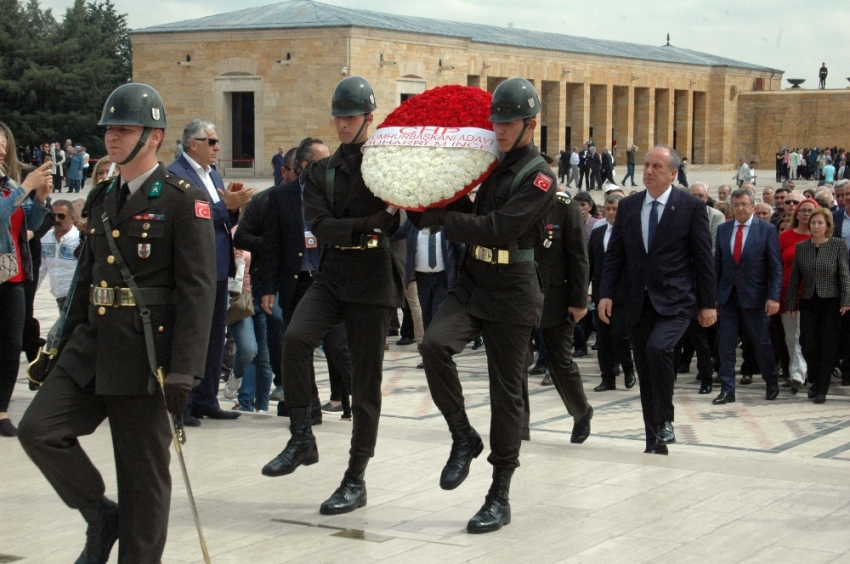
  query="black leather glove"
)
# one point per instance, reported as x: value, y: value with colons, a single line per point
x: 431, y: 217
x: 176, y: 388
x: 378, y: 223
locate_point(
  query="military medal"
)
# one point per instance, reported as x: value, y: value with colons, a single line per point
x: 547, y: 243
x: 144, y: 250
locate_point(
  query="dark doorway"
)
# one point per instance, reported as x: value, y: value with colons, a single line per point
x: 243, y: 129
x: 568, y: 135
x: 543, y: 133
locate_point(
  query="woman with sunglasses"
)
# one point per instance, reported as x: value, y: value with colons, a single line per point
x: 788, y: 239
x: 18, y: 214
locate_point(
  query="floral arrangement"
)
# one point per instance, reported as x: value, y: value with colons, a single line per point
x: 431, y: 150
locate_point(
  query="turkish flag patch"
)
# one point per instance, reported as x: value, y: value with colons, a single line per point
x: 542, y: 181
x: 202, y: 209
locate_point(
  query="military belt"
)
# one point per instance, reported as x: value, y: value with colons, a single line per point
x: 501, y: 256
x: 368, y: 242
x: 118, y: 297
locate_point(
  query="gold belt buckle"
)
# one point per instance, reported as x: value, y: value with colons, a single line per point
x: 504, y: 257
x: 103, y: 296
x: 483, y: 253
x: 126, y: 298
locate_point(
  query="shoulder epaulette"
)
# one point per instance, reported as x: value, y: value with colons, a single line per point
x: 563, y: 198
x: 177, y: 182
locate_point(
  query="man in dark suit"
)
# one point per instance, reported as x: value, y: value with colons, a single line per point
x: 607, y: 171
x: 291, y: 257
x: 158, y: 223
x: 583, y: 168
x: 594, y: 161
x: 661, y: 250
x: 614, y: 336
x: 200, y: 148
x: 841, y: 221
x: 749, y: 283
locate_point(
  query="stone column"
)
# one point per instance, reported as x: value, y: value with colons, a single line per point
x: 579, y: 112
x: 644, y: 128
x: 601, y: 108
x: 683, y: 124
x: 664, y: 116
x: 623, y: 116
x: 700, y: 125
x: 554, y: 100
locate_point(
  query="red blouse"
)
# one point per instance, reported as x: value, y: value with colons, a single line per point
x: 17, y: 225
x: 788, y: 240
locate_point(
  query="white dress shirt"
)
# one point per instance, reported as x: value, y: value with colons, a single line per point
x: 744, y: 238
x: 204, y: 175
x: 647, y: 207
x: 134, y: 185
x: 421, y: 262
x: 58, y: 260
x: 607, y: 236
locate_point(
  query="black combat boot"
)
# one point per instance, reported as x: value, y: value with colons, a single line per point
x: 301, y: 448
x: 351, y: 493
x: 466, y: 445
x: 496, y: 510
x: 101, y: 533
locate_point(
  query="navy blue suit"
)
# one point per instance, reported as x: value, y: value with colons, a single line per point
x: 742, y: 290
x: 205, y: 396
x: 664, y: 289
x: 844, y: 349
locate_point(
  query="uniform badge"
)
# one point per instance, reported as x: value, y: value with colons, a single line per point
x: 547, y: 243
x: 156, y: 190
x: 155, y: 113
x: 112, y: 110
x: 542, y: 181
x: 531, y: 102
x: 372, y: 98
x: 144, y: 250
x: 202, y: 209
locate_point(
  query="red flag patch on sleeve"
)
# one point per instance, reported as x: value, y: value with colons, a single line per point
x: 202, y: 209
x: 542, y: 181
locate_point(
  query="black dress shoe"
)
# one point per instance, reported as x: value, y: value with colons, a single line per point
x: 683, y: 368
x: 404, y: 341
x: 605, y: 386
x: 537, y: 370
x: 190, y: 420
x: 665, y: 434
x: 819, y: 399
x: 215, y: 413
x: 723, y: 398
x: 350, y: 495
x: 420, y: 366
x: 547, y: 381
x: 812, y: 393
x: 772, y: 391
x: 477, y: 343
x: 746, y: 379
x: 630, y: 380
x: 656, y: 449
x: 7, y: 428
x: 578, y: 353
x: 581, y: 428
x: 101, y: 533
x: 392, y: 333
x: 526, y: 434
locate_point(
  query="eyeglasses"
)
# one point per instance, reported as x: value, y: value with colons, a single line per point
x: 212, y: 141
x: 792, y: 203
x: 60, y: 216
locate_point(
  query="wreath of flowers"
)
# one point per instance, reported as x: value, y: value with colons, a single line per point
x: 431, y: 150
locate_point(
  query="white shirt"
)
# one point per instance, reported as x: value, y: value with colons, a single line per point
x: 744, y: 238
x: 58, y: 260
x: 136, y: 183
x: 644, y: 214
x: 574, y: 159
x: 204, y: 175
x: 421, y: 262
x: 607, y: 236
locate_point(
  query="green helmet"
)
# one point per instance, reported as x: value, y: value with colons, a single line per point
x: 134, y: 104
x: 353, y: 96
x: 514, y: 99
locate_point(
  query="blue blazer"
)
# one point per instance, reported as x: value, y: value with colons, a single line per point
x: 838, y: 222
x: 758, y: 277
x: 222, y: 219
x: 678, y: 270
x: 452, y: 253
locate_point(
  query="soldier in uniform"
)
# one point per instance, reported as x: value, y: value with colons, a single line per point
x: 498, y: 292
x: 158, y: 223
x: 356, y: 283
x: 564, y: 267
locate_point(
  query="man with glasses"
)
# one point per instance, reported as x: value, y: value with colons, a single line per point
x: 58, y: 260
x: 200, y: 149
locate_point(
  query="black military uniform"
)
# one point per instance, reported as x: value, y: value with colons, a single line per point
x: 498, y: 292
x: 562, y: 260
x: 164, y: 233
x: 357, y: 284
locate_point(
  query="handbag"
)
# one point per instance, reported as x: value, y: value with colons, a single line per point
x: 8, y: 266
x: 241, y: 306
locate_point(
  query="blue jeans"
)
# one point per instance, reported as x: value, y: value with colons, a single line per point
x: 74, y: 185
x: 253, y: 364
x: 630, y: 171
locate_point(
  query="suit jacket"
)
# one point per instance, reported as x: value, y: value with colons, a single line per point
x: 453, y: 253
x: 283, y: 241
x: 582, y: 159
x: 716, y: 218
x: 595, y: 161
x: 758, y: 277
x: 173, y: 251
x: 596, y: 254
x: 678, y: 270
x: 825, y: 270
x: 222, y: 219
x: 607, y: 161
x: 563, y: 265
x: 838, y: 222
x: 249, y: 235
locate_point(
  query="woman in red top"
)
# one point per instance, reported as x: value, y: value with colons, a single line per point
x: 17, y: 215
x: 788, y: 239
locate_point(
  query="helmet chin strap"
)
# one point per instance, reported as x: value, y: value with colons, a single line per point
x: 359, y: 131
x: 521, y: 133
x: 143, y: 140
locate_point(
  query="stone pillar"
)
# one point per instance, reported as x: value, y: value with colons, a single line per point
x: 601, y: 105
x: 683, y: 124
x: 579, y: 112
x: 554, y: 100
x: 663, y: 117
x: 700, y: 128
x: 644, y: 128
x: 623, y: 115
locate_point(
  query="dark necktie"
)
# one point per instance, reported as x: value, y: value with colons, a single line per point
x: 123, y: 195
x: 432, y: 250
x: 739, y: 244
x: 653, y: 224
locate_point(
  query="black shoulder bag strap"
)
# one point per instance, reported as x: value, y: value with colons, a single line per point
x: 330, y: 178
x: 140, y: 302
x: 513, y: 249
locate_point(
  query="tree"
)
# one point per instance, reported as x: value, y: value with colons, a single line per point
x: 55, y: 77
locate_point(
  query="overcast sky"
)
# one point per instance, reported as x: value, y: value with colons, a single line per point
x: 790, y: 36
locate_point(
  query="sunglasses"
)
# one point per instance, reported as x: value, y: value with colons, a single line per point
x: 212, y: 141
x: 792, y: 203
x: 60, y: 216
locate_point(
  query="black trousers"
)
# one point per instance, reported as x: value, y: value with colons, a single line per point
x: 204, y: 396
x: 366, y: 329
x: 32, y: 328
x: 820, y: 333
x: 432, y: 288
x: 614, y: 342
x: 565, y: 374
x: 584, y: 177
x: 696, y: 339
x: 507, y: 348
x: 11, y: 321
x: 339, y: 366
x: 844, y: 349
x: 141, y: 436
x: 654, y: 337
x: 755, y: 325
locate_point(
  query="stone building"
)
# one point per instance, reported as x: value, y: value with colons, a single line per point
x: 265, y: 76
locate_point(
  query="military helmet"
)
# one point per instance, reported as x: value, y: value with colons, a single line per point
x: 353, y: 96
x: 514, y: 99
x: 134, y: 104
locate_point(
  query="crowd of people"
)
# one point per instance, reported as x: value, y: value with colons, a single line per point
x: 160, y: 258
x: 822, y: 164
